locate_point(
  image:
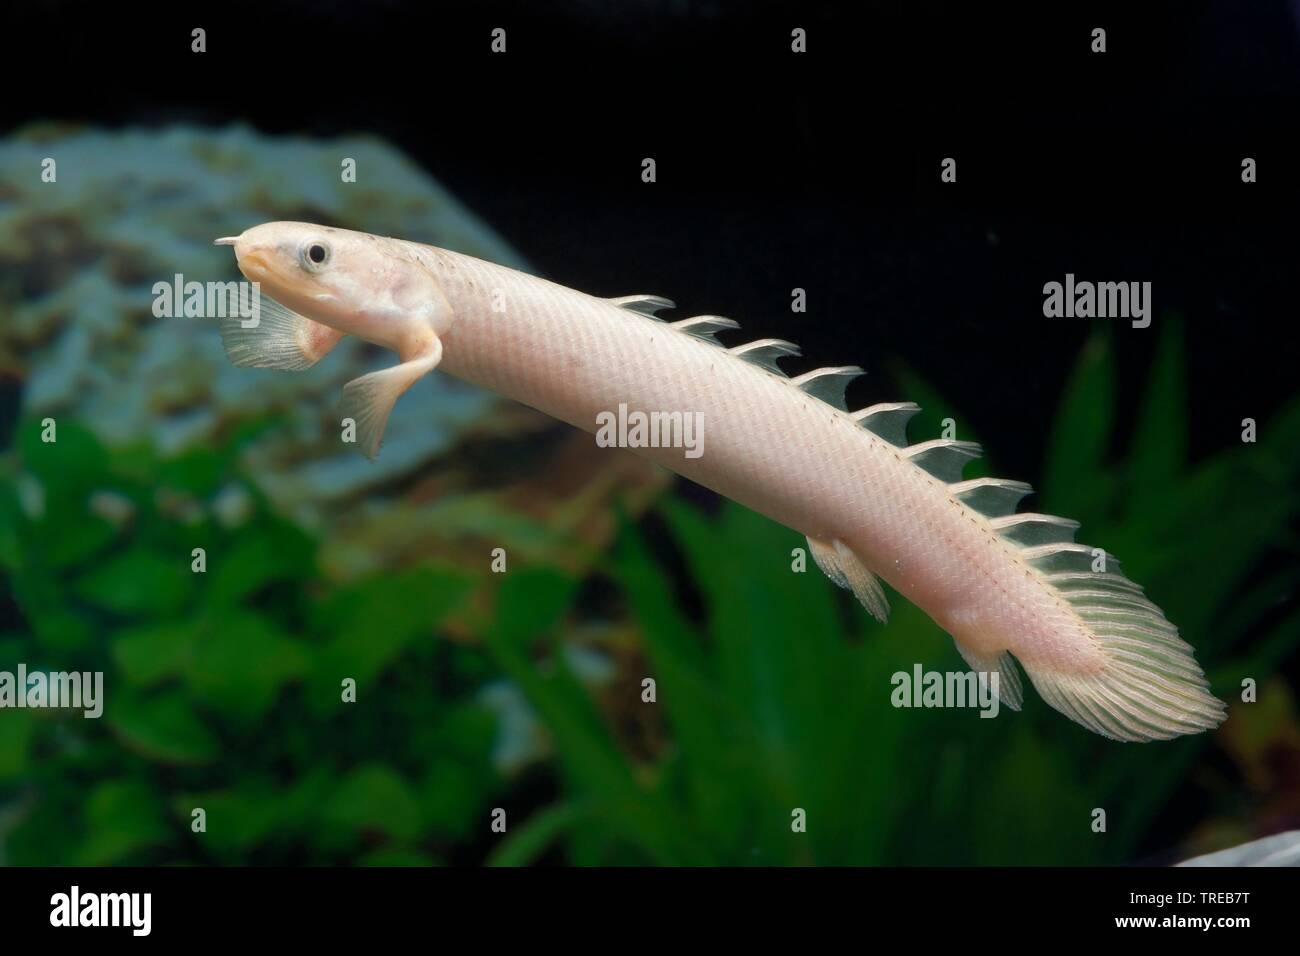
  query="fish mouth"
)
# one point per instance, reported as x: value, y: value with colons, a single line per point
x: 252, y: 260
x: 254, y: 264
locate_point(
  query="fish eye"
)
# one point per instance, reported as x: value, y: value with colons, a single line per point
x: 314, y: 254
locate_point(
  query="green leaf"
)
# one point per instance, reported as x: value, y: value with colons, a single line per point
x: 122, y: 817
x: 397, y: 856
x: 68, y: 537
x: 153, y: 652
x: 1159, y: 447
x: 139, y: 581
x: 199, y: 471
x: 1032, y: 786
x: 784, y: 663
x: 17, y: 728
x: 693, y: 706
x: 240, y: 662
x: 375, y: 799
x: 372, y: 622
x: 13, y: 525
x: 672, y: 636
x: 590, y: 756
x: 270, y: 552
x: 1265, y: 656
x: 63, y: 630
x: 466, y: 730
x: 522, y: 846
x: 300, y: 802
x: 1075, y: 477
x: 452, y: 794
x: 237, y: 821
x: 69, y: 466
x: 161, y: 726
x: 530, y: 602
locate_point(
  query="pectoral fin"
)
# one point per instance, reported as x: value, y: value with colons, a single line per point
x: 368, y: 400
x: 276, y: 338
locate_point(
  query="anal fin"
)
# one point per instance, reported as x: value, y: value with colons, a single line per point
x: 1010, y: 690
x: 845, y: 569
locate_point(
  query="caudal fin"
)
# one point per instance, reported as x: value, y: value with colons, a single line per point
x: 1150, y: 686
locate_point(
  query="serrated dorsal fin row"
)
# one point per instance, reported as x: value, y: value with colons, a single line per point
x: 1046, y: 539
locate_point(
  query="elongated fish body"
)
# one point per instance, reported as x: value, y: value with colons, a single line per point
x: 767, y: 445
x: 1001, y: 583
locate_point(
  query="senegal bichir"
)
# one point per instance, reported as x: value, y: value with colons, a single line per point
x: 873, y: 507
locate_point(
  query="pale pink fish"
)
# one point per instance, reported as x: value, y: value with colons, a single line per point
x: 1001, y: 583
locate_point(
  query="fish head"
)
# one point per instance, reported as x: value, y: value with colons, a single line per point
x: 375, y: 288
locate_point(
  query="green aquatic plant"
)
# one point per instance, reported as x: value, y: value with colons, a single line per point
x: 223, y: 686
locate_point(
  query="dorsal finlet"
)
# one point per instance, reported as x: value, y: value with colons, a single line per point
x: 765, y: 353
x: 828, y: 384
x: 944, y: 458
x: 1062, y: 557
x: 888, y: 420
x: 1030, y: 529
x: 705, y: 326
x: 643, y: 304
x: 991, y: 497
